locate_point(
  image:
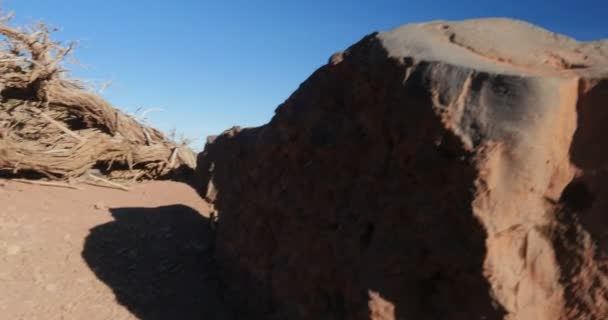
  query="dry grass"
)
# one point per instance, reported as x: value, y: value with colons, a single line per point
x: 51, y: 126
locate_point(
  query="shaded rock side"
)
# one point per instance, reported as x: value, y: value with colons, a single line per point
x: 447, y: 170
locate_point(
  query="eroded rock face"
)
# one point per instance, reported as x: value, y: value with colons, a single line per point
x: 437, y: 171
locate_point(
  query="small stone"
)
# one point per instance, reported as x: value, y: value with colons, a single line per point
x: 50, y: 287
x: 13, y: 250
x: 37, y: 276
x: 99, y: 206
x: 83, y: 280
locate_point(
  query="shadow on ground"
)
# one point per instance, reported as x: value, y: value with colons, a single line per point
x: 158, y: 261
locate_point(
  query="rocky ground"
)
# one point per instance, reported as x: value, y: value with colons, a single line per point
x: 101, y: 253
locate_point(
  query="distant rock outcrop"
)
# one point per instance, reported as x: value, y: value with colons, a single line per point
x: 446, y: 170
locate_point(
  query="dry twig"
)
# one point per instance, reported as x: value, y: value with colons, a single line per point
x: 108, y: 183
x: 48, y: 184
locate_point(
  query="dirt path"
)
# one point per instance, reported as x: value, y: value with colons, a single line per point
x: 105, y: 254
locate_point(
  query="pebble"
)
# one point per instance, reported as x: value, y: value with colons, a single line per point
x: 50, y: 287
x: 100, y: 206
x: 13, y: 250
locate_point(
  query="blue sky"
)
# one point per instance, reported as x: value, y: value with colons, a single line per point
x: 213, y: 64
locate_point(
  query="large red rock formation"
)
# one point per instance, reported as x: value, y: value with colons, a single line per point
x: 446, y: 170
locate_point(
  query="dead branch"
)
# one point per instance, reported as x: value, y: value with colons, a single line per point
x: 61, y: 127
x: 48, y: 184
x: 108, y: 182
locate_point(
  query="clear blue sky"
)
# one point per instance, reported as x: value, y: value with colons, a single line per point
x: 214, y: 64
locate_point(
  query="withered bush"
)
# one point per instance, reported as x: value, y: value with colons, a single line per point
x: 52, y: 126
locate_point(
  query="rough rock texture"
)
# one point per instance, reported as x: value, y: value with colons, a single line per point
x: 447, y: 170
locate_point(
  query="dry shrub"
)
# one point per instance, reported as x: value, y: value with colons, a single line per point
x: 52, y: 126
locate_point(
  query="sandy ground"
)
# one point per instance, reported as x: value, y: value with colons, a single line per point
x: 101, y: 253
